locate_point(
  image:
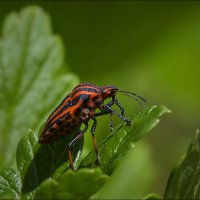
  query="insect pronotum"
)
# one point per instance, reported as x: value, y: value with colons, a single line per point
x: 78, y: 108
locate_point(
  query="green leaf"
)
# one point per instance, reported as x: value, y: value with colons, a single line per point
x: 37, y: 162
x: 152, y: 196
x: 112, y: 149
x: 31, y: 76
x: 184, y: 181
x: 10, y: 184
x: 73, y: 185
x: 136, y: 171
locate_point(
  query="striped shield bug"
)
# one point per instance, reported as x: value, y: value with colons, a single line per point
x: 78, y: 108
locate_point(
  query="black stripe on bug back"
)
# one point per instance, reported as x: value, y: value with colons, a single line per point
x: 68, y: 105
x: 82, y: 97
x: 78, y: 111
x: 60, y: 121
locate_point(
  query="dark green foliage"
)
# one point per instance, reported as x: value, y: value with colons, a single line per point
x: 39, y: 162
x: 184, y: 181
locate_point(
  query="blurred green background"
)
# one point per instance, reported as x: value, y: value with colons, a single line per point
x: 151, y: 48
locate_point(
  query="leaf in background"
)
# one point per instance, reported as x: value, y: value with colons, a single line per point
x: 73, y: 185
x: 37, y: 162
x: 31, y: 80
x: 10, y: 184
x: 112, y: 149
x: 184, y: 181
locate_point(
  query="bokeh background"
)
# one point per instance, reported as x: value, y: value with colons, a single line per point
x: 151, y: 48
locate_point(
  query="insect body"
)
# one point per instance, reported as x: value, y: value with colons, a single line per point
x: 78, y: 108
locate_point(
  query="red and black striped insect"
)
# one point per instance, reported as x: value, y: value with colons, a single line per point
x: 78, y: 108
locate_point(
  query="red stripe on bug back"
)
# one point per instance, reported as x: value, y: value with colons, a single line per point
x: 62, y: 114
x: 64, y: 104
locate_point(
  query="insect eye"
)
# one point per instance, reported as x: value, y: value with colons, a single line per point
x: 105, y: 94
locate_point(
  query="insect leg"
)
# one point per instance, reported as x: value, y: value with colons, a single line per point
x: 120, y: 107
x: 119, y: 115
x: 71, y: 144
x: 94, y: 139
x: 111, y: 121
x: 105, y: 112
x: 121, y: 110
x: 113, y: 101
x: 108, y: 109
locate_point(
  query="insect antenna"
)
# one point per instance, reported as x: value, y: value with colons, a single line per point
x: 136, y: 97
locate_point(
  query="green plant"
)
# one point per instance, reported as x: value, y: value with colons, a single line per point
x: 32, y: 76
x: 184, y: 182
x: 31, y: 84
x: 50, y: 178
